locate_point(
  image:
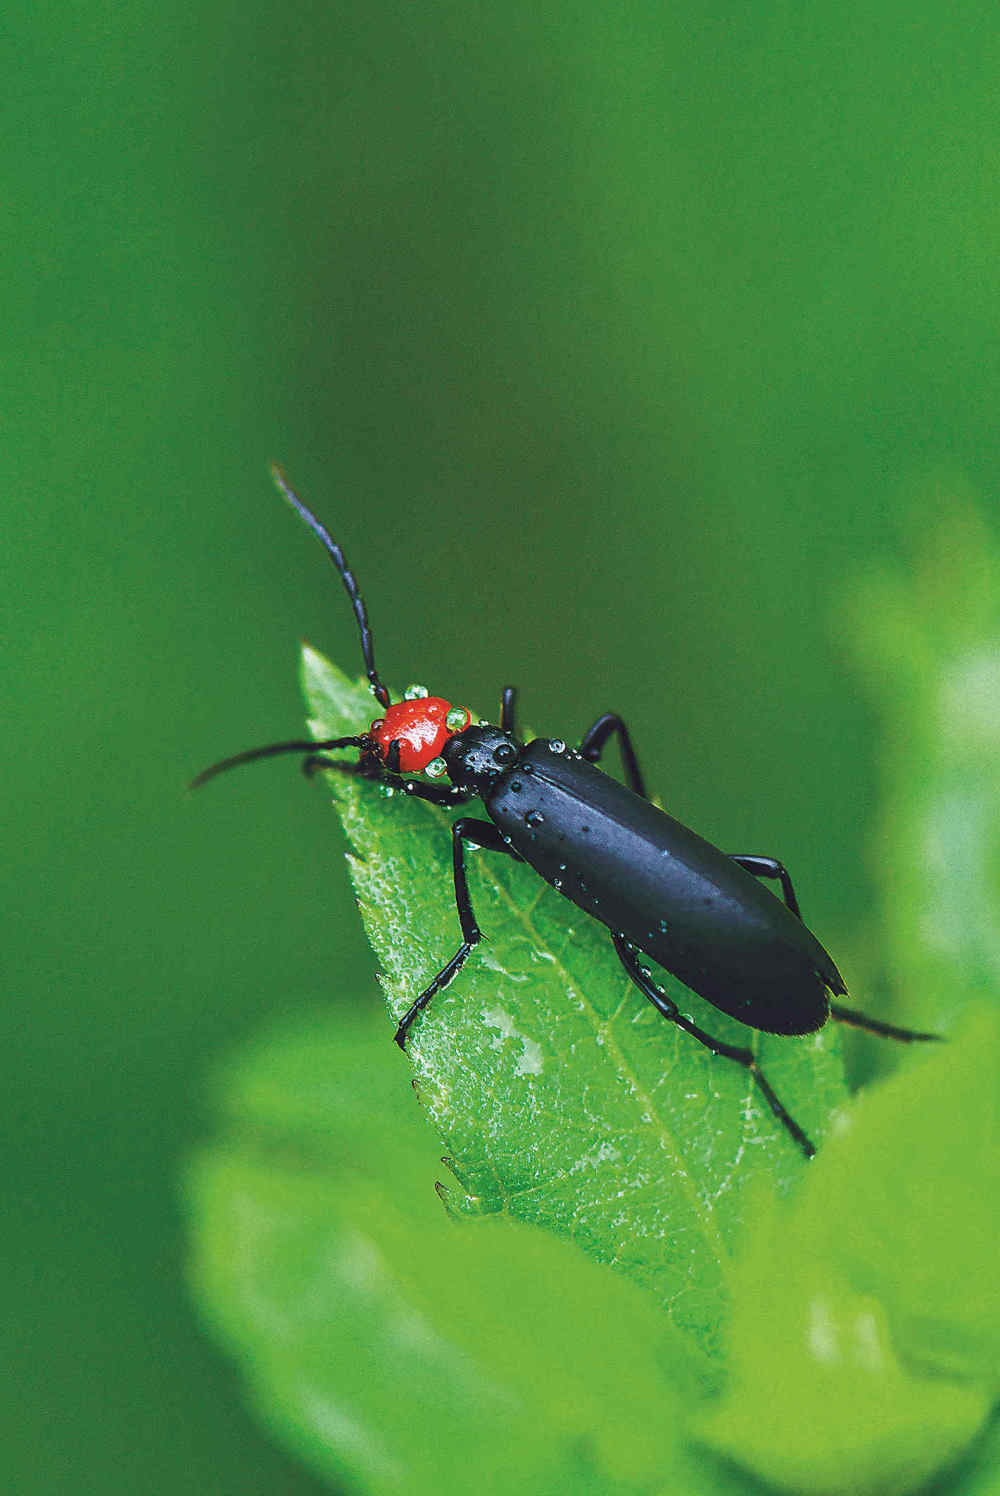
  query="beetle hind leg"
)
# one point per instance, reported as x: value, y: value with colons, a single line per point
x: 770, y: 867
x: 876, y: 1026
x: 745, y: 1057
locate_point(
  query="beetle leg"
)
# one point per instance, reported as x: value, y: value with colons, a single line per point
x: 876, y: 1026
x: 508, y: 710
x: 770, y: 867
x: 437, y: 794
x: 744, y: 1057
x: 481, y: 834
x: 308, y: 745
x: 594, y: 739
x: 316, y: 763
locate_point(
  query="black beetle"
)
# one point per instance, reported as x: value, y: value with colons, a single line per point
x: 661, y: 890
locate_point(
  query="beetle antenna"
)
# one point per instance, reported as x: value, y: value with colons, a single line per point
x: 346, y: 576
x: 309, y: 745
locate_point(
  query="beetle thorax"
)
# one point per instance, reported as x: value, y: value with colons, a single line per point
x: 478, y: 756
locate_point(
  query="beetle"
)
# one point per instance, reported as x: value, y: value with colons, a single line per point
x: 663, y: 892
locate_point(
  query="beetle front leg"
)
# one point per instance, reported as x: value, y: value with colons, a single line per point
x: 770, y: 867
x: 318, y: 763
x: 745, y: 1057
x: 480, y: 834
x: 437, y: 794
x: 592, y: 746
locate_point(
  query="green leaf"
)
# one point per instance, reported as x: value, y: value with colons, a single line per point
x: 865, y: 1340
x: 563, y: 1099
x: 387, y: 1345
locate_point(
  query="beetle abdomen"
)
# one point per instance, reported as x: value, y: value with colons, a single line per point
x: 671, y: 893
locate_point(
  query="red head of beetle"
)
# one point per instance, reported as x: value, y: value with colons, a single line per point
x: 421, y: 725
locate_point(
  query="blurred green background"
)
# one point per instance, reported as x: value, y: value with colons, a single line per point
x: 611, y: 341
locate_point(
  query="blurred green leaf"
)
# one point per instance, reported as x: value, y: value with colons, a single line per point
x: 927, y: 641
x: 866, y: 1324
x: 563, y: 1099
x: 978, y: 1472
x: 384, y: 1342
x: 906, y: 1202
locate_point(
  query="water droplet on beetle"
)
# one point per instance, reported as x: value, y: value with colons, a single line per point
x: 415, y: 693
x: 534, y: 818
x: 557, y: 745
